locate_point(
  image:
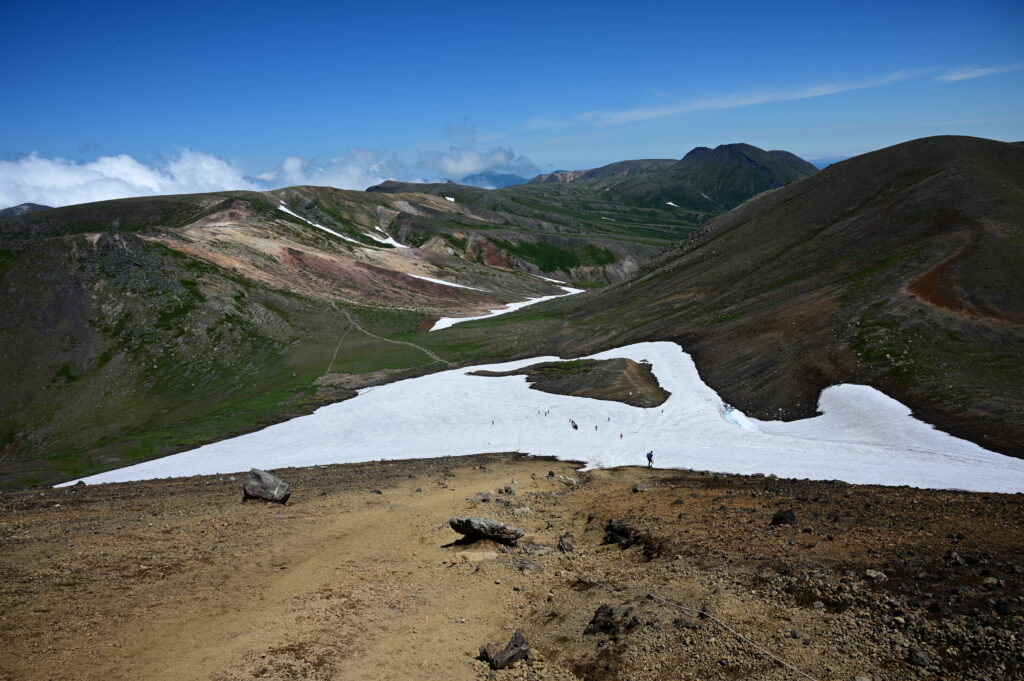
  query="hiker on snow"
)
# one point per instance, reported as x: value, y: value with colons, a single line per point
x: 650, y: 459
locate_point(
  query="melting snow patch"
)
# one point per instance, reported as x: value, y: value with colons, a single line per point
x: 445, y: 322
x: 388, y: 240
x: 861, y: 437
x: 669, y: 203
x: 284, y: 208
x: 450, y: 198
x: 441, y: 281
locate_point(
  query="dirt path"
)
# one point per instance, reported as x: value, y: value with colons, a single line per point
x: 356, y: 578
x: 350, y: 585
x: 427, y: 351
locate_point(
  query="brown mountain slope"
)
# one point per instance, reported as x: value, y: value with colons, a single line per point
x: 900, y: 269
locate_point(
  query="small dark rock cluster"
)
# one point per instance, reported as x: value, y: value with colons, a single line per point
x: 786, y: 517
x: 612, y: 621
x: 499, y: 656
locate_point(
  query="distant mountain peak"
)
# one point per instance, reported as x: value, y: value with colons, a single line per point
x: 23, y: 208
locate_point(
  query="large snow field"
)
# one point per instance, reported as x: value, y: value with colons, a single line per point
x: 862, y: 436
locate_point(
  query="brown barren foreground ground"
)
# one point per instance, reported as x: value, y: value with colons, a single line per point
x: 178, y: 579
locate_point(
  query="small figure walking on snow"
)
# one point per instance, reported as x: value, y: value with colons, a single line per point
x: 574, y: 426
x: 650, y: 459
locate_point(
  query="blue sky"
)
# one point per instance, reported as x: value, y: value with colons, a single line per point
x: 111, y: 99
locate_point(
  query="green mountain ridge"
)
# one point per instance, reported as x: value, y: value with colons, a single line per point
x: 140, y: 327
x: 899, y: 268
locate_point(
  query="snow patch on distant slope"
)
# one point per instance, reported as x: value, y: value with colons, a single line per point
x: 441, y: 281
x: 284, y: 208
x: 445, y: 322
x: 862, y: 436
x: 388, y: 240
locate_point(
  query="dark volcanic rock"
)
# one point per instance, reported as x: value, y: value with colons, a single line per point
x: 623, y: 531
x: 264, y: 486
x: 612, y: 621
x: 498, y: 657
x: 786, y: 517
x: 918, y: 658
x: 566, y: 543
x: 486, y: 528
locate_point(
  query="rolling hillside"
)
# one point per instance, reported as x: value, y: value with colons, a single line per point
x: 899, y: 269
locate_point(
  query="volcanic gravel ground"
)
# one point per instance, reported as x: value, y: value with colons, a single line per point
x: 358, y: 577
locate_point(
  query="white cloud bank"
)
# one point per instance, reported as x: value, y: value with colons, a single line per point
x: 458, y: 162
x: 969, y: 72
x: 60, y: 182
x: 462, y: 158
x: 360, y: 169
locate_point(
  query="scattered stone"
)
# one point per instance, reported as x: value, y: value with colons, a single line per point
x: 473, y: 556
x: 622, y: 531
x: 991, y: 583
x: 500, y: 657
x: 566, y: 543
x: 796, y: 633
x: 486, y: 528
x: 376, y: 491
x: 551, y: 474
x: 641, y: 488
x: 483, y: 497
x: 918, y: 657
x: 786, y: 517
x: 685, y: 623
x: 522, y: 511
x: 507, y: 489
x: 264, y: 486
x: 818, y: 605
x: 876, y: 576
x: 525, y: 565
x: 566, y: 480
x: 534, y: 549
x: 612, y: 621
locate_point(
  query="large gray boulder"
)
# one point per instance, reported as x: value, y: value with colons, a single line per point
x: 485, y: 528
x: 266, y: 487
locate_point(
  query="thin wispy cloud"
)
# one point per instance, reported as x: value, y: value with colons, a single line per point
x: 969, y: 72
x: 737, y: 100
